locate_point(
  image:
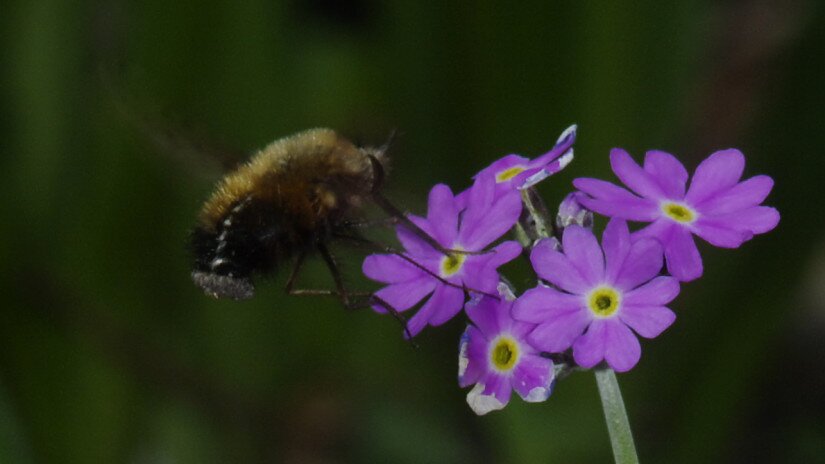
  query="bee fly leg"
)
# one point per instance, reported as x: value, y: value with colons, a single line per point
x: 344, y: 296
x: 350, y: 300
x: 370, y: 223
x: 329, y: 259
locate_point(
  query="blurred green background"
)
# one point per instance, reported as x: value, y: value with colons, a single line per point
x: 108, y: 353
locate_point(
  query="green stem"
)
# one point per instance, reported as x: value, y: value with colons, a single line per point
x: 537, y: 223
x: 621, y: 438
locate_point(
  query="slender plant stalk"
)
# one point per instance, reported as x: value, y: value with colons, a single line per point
x: 621, y: 438
x: 537, y: 223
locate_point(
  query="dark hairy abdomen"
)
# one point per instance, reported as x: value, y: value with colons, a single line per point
x: 253, y: 238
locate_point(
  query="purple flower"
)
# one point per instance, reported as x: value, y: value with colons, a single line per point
x: 717, y: 207
x: 599, y: 297
x: 514, y: 172
x: 495, y: 356
x: 483, y: 221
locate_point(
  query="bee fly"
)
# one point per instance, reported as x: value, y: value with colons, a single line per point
x: 290, y: 199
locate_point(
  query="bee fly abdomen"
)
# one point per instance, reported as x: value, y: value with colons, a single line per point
x: 239, y: 245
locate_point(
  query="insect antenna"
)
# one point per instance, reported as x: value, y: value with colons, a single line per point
x: 383, y: 203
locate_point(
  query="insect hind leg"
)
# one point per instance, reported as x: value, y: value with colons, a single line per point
x: 349, y: 299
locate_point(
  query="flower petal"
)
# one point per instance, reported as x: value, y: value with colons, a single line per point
x: 742, y: 195
x: 503, y: 164
x: 389, y: 269
x: 450, y: 302
x: 718, y: 172
x: 532, y: 177
x: 479, y: 200
x: 616, y: 245
x: 668, y: 172
x: 554, y: 267
x: 622, y: 350
x: 659, y: 291
x: 643, y: 262
x: 414, y: 244
x: 629, y: 210
x: 470, y: 366
x: 495, y: 222
x: 611, y: 200
x: 560, y: 331
x: 480, y: 272
x: 436, y: 306
x: 567, y: 137
x: 639, y: 180
x: 757, y: 219
x: 503, y: 253
x: 402, y: 296
x: 533, y: 378
x: 442, y: 214
x: 660, y: 230
x: 541, y: 303
x: 563, y: 144
x: 483, y: 313
x: 683, y: 259
x: 498, y: 386
x: 482, y: 403
x: 584, y: 252
x: 588, y: 349
x: 477, y: 276
x: 721, y: 233
x: 647, y: 321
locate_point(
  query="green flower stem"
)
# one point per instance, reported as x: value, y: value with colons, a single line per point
x: 621, y: 438
x: 537, y: 223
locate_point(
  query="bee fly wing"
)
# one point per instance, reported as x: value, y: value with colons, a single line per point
x: 224, y: 286
x: 191, y: 148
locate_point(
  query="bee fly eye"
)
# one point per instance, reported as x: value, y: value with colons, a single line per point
x: 377, y: 173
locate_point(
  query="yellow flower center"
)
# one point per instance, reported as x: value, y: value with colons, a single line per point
x: 604, y: 301
x: 509, y: 173
x: 504, y: 353
x: 451, y: 264
x: 678, y: 212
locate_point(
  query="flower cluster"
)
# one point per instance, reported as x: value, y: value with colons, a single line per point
x: 592, y: 299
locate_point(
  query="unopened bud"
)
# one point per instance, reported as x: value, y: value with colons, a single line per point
x: 572, y: 212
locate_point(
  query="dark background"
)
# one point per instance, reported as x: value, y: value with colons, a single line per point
x: 108, y: 352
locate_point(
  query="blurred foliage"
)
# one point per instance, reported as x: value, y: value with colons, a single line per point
x: 108, y: 353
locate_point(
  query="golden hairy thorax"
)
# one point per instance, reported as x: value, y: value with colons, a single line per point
x: 309, y: 175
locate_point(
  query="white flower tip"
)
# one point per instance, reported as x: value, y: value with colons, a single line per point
x: 480, y: 403
x: 475, y: 299
x: 565, y: 159
x: 554, y: 167
x: 505, y: 291
x: 569, y: 132
x: 538, y: 394
x: 534, y: 179
x: 463, y: 360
